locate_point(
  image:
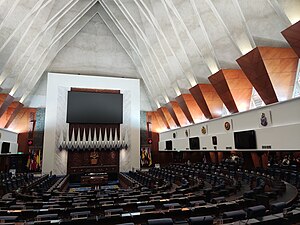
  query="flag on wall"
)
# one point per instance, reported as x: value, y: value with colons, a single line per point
x: 34, y: 160
x: 146, y: 157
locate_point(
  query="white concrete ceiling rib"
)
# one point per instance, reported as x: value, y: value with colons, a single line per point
x: 174, y: 44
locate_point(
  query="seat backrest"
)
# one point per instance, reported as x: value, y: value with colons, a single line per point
x: 256, y: 211
x: 163, y: 221
x: 277, y: 207
x: 46, y: 216
x: 201, y: 220
x: 80, y: 214
x: 144, y: 208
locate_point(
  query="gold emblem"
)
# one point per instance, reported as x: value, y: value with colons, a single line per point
x: 94, y: 157
x: 203, y: 130
x: 227, y: 125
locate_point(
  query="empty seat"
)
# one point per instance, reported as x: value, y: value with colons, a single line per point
x: 197, y: 203
x: 108, y: 212
x: 201, y: 220
x: 235, y: 215
x: 256, y: 211
x: 126, y: 224
x: 80, y: 214
x: 277, y: 207
x: 144, y: 208
x: 163, y: 221
x: 47, y: 217
x: 171, y: 205
x: 4, y: 219
x: 218, y: 199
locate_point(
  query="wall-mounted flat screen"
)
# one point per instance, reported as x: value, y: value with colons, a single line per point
x: 90, y: 107
x: 5, y: 147
x: 169, y: 145
x: 245, y: 139
x: 194, y: 143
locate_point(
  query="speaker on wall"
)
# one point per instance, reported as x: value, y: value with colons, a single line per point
x: 214, y: 140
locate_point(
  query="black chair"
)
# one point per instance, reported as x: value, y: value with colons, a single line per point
x: 109, y: 212
x: 197, y: 203
x: 4, y: 219
x: 163, y: 221
x: 234, y: 215
x: 126, y: 224
x: 75, y: 215
x: 171, y: 205
x: 201, y: 220
x: 144, y: 208
x: 218, y: 199
x: 47, y: 217
x: 277, y: 207
x: 256, y: 211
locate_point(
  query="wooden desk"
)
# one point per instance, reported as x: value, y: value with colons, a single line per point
x: 94, y: 169
x: 94, y: 179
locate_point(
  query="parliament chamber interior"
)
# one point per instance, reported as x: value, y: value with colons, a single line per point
x: 149, y: 112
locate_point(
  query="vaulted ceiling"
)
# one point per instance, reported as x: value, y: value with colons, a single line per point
x: 171, y: 45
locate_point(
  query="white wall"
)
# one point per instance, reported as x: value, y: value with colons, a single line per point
x: 11, y: 137
x: 55, y: 118
x: 281, y: 133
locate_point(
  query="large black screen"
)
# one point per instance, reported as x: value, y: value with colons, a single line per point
x: 194, y: 143
x: 245, y: 139
x: 88, y: 107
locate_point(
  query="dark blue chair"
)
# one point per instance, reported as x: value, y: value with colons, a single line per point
x: 256, y: 211
x: 163, y: 221
x: 144, y: 208
x: 235, y: 215
x: 277, y: 207
x: 201, y: 220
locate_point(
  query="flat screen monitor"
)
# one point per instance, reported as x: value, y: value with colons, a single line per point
x: 245, y: 139
x: 94, y: 108
x: 194, y: 143
x: 169, y: 145
x: 5, y: 147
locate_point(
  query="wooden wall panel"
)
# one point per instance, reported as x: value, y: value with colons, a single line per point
x: 180, y: 116
x: 255, y: 70
x: 281, y: 65
x: 219, y: 83
x: 292, y: 36
x: 190, y: 108
x: 208, y: 100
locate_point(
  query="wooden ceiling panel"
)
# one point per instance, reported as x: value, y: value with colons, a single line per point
x: 171, y: 110
x: 255, y: 70
x: 162, y: 116
x: 240, y: 88
x: 190, y: 108
x: 161, y: 124
x: 219, y: 82
x: 208, y: 100
x: 292, y: 36
x: 281, y: 65
x: 180, y: 116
